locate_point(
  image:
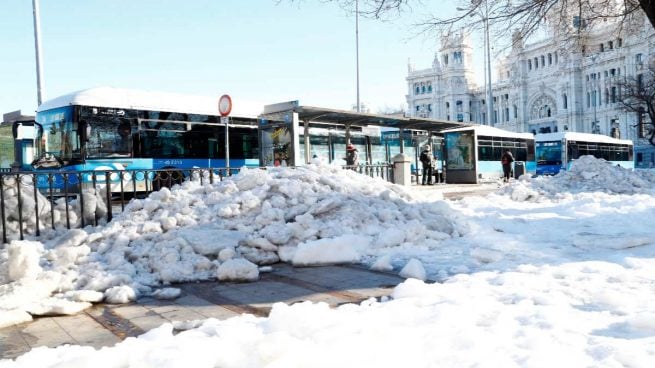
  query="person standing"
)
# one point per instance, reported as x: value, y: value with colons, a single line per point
x: 507, y: 160
x: 427, y: 160
x: 352, y: 156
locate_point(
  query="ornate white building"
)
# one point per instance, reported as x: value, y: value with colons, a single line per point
x: 550, y: 86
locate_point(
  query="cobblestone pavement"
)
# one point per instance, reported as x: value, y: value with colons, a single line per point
x: 108, y: 324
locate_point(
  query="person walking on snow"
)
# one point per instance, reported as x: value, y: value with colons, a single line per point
x: 507, y: 160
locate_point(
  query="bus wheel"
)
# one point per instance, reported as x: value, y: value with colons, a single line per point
x: 166, y: 179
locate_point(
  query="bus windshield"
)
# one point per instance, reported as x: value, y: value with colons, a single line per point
x: 58, y: 142
x: 109, y: 136
x: 549, y: 153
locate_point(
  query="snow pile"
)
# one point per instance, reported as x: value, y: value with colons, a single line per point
x: 318, y: 214
x: 587, y: 174
x: 25, y: 214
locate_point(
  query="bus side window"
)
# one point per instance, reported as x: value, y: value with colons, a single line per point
x: 573, y: 152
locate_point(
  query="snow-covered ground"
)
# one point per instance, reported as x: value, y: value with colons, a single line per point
x: 554, y: 271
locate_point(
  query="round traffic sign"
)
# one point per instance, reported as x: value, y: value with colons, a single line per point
x: 225, y: 105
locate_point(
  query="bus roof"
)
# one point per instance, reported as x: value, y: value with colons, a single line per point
x: 149, y: 100
x: 574, y: 136
x: 491, y: 131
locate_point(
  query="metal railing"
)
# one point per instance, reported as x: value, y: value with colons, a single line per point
x: 31, y: 202
x: 383, y: 171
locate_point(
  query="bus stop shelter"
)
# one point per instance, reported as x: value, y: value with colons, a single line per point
x: 281, y: 125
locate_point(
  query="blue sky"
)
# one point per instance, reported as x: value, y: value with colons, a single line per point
x: 256, y: 49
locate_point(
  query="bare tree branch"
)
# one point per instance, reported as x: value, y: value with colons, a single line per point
x: 637, y: 94
x: 511, y: 18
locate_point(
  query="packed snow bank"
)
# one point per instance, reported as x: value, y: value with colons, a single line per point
x: 318, y: 214
x: 587, y: 174
x: 587, y: 314
x: 22, y: 208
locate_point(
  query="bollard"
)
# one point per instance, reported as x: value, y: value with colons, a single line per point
x: 402, y: 169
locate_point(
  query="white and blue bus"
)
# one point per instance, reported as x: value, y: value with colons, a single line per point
x: 556, y: 151
x: 105, y: 128
x: 473, y: 154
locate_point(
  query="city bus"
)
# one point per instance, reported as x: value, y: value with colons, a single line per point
x: 102, y: 129
x: 556, y: 151
x: 473, y: 154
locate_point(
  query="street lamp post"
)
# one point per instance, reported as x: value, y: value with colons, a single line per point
x: 487, y: 49
x: 357, y: 47
x: 37, y: 46
x: 490, y: 101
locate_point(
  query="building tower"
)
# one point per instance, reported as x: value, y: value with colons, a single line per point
x: 455, y: 102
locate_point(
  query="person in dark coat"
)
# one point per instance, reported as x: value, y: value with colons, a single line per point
x: 507, y: 160
x: 427, y: 160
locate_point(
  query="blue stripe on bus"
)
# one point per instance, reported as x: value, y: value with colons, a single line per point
x: 111, y: 164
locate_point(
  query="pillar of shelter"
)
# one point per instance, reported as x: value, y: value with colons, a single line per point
x: 307, y: 146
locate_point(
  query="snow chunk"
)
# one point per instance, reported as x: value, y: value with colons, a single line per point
x: 238, y: 270
x: 342, y: 249
x: 56, y: 306
x: 382, y: 264
x: 13, y: 317
x: 91, y: 296
x: 166, y: 293
x: 120, y: 294
x: 413, y: 269
x: 24, y: 258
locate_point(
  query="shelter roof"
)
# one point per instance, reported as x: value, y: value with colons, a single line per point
x: 354, y: 118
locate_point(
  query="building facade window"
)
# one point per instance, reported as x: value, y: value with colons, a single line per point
x: 529, y: 64
x: 565, y: 101
x: 588, y: 100
x: 550, y: 59
x: 613, y: 95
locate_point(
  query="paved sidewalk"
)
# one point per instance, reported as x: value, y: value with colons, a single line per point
x: 107, y: 324
x: 458, y: 191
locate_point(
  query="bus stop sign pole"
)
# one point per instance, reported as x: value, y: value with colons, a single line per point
x: 224, y: 108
